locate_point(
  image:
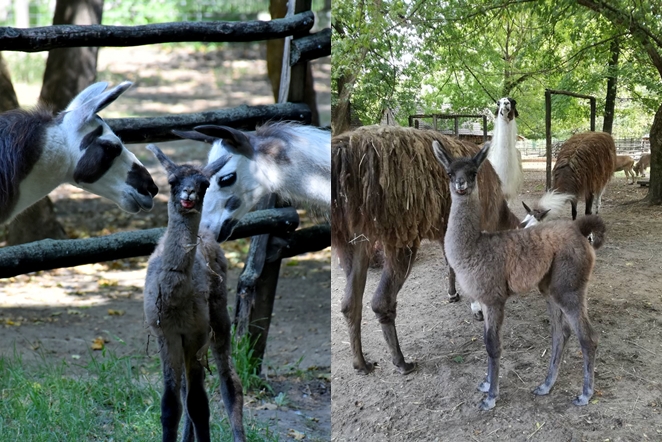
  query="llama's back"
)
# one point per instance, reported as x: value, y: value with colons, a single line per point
x: 388, y: 187
x: 585, y: 164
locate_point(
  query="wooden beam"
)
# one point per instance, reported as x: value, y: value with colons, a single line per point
x: 67, y: 36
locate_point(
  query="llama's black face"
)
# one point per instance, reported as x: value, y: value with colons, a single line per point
x: 462, y: 172
x: 187, y: 189
x: 506, y: 108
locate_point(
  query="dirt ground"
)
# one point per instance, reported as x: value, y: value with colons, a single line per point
x: 58, y: 314
x: 439, y: 401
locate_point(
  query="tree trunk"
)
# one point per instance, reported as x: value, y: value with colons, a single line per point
x: 68, y: 71
x: 612, y: 80
x: 655, y: 191
x: 8, y: 98
x: 341, y: 112
x: 278, y: 9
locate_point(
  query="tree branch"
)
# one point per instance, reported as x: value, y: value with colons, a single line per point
x: 67, y: 36
x: 157, y: 129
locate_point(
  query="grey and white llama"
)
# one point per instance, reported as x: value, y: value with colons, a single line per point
x: 555, y: 257
x: 504, y: 156
x: 40, y: 151
x: 286, y: 158
x: 186, y: 307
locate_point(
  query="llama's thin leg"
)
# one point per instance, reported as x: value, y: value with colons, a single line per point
x: 188, y: 433
x: 453, y: 295
x: 231, y: 389
x: 560, y: 334
x: 598, y: 202
x: 197, y: 403
x: 577, y: 316
x: 493, y: 321
x: 356, y: 269
x: 589, y: 204
x: 171, y: 405
x: 573, y: 205
x: 384, y: 301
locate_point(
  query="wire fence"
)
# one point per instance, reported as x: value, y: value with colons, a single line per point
x: 634, y: 147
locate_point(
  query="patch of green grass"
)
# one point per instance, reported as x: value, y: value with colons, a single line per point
x: 110, y: 398
x: 247, y: 364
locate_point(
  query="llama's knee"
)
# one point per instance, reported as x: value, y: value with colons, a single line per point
x: 385, y: 311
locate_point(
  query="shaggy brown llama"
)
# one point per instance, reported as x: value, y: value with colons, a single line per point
x: 584, y: 166
x: 387, y: 187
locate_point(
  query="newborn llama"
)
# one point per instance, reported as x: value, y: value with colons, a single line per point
x: 556, y: 257
x: 185, y: 300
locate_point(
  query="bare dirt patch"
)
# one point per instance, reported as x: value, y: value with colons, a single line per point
x: 439, y: 401
x: 59, y: 314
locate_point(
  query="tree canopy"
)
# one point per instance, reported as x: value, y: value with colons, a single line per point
x: 460, y: 56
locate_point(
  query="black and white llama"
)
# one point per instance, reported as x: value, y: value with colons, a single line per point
x: 40, y: 151
x: 503, y: 155
x: 289, y: 159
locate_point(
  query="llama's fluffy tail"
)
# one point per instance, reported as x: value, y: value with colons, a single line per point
x: 593, y: 228
x: 554, y: 202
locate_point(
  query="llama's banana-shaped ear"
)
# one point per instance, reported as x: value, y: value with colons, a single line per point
x: 526, y: 207
x: 235, y: 140
x: 194, y: 135
x: 441, y: 155
x: 166, y: 162
x: 93, y: 99
x: 480, y: 157
x: 211, y: 169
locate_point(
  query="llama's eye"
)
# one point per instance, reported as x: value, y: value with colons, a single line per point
x: 227, y: 180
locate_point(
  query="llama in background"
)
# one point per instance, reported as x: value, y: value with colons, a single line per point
x: 643, y: 164
x: 503, y: 155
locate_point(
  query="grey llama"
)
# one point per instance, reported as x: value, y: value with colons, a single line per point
x: 186, y: 307
x: 556, y: 257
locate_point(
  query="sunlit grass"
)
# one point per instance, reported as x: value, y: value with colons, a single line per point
x: 110, y: 398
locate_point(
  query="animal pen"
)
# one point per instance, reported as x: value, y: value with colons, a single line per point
x: 274, y: 230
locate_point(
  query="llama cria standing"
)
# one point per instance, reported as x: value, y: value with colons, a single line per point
x: 555, y: 257
x: 388, y: 188
x: 504, y: 156
x: 40, y: 151
x: 625, y: 163
x: 643, y: 164
x: 186, y: 307
x: 289, y: 159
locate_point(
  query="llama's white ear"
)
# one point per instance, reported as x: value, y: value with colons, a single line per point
x: 237, y: 141
x: 194, y: 135
x: 166, y: 162
x: 86, y: 95
x: 441, y: 155
x: 211, y: 169
x: 480, y: 157
x: 93, y: 99
x: 526, y: 207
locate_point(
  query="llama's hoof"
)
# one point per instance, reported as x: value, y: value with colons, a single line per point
x: 487, y: 404
x: 367, y: 368
x: 484, y: 387
x: 542, y: 390
x: 454, y: 298
x: 581, y: 400
x: 406, y: 368
x: 478, y: 316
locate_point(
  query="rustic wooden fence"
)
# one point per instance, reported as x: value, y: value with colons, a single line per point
x: 284, y: 240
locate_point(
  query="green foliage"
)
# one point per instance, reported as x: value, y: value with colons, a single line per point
x: 247, y: 364
x: 460, y: 56
x: 111, y: 398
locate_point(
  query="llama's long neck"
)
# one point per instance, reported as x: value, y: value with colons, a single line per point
x: 463, y: 230
x: 180, y: 240
x: 503, y: 155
